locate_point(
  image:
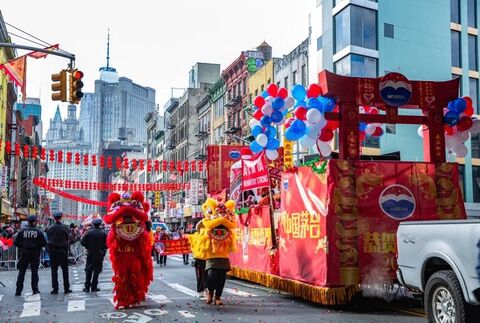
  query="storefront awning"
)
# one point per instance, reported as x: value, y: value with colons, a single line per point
x: 7, y: 208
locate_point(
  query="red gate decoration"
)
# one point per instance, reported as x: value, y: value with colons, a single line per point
x: 219, y: 160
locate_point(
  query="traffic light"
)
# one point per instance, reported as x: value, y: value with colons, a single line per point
x: 76, y: 85
x: 59, y: 86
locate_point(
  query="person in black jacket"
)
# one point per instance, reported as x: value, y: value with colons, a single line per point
x: 30, y: 240
x: 95, y: 241
x: 58, y: 238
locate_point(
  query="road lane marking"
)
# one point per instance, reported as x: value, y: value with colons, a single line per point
x: 186, y: 314
x: 176, y: 258
x: 238, y: 292
x: 31, y: 309
x: 74, y: 306
x: 159, y: 299
x: 183, y: 289
x: 1, y: 296
x: 32, y: 298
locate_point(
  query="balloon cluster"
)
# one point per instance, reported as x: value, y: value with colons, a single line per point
x: 270, y: 110
x: 459, y: 124
x: 308, y: 124
x: 370, y: 129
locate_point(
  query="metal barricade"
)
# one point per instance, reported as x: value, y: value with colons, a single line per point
x: 9, y: 258
x: 76, y: 253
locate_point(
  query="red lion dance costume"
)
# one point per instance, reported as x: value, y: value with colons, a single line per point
x: 130, y: 248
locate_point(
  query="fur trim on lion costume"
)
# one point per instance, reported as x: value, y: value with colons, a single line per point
x: 216, y: 237
x: 130, y: 247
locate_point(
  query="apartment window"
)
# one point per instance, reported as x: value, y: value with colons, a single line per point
x: 357, y: 66
x: 294, y: 77
x: 278, y: 84
x: 456, y: 50
x: 304, y: 74
x: 473, y: 87
x: 455, y: 11
x: 356, y: 26
x: 391, y: 128
x: 319, y: 43
x: 244, y: 84
x: 372, y: 142
x: 388, y: 30
x: 472, y: 13
x: 476, y: 146
x: 472, y: 52
x: 262, y: 87
x: 285, y: 83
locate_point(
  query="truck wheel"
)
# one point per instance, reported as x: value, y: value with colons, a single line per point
x: 443, y: 298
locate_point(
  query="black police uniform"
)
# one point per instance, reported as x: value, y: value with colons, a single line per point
x: 95, y: 241
x: 58, y: 237
x: 30, y: 240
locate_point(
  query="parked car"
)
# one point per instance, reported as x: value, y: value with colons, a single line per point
x: 439, y: 259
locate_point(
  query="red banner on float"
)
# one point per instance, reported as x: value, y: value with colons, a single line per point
x: 254, y: 241
x: 173, y: 247
x: 219, y: 160
x: 341, y: 229
x: 255, y: 173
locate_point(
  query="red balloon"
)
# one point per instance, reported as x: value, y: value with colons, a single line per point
x: 332, y: 125
x: 259, y: 101
x: 468, y: 111
x: 314, y: 90
x: 326, y: 135
x: 448, y: 130
x: 378, y: 132
x: 336, y: 108
x: 258, y: 114
x: 289, y: 122
x: 465, y: 123
x: 362, y: 136
x: 272, y: 90
x: 282, y: 92
x: 301, y: 113
x: 469, y: 101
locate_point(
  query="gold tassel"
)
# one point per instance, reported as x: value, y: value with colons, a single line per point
x: 316, y: 294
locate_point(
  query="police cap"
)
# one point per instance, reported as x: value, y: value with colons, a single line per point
x: 57, y: 215
x: 32, y: 218
x: 97, y: 221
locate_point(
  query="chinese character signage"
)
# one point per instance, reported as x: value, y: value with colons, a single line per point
x: 219, y: 160
x: 288, y: 154
x: 255, y: 173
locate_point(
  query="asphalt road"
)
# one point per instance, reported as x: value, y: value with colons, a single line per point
x: 172, y: 298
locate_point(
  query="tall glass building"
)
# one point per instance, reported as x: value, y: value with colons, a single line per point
x: 423, y: 40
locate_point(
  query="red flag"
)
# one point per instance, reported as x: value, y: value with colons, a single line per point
x: 42, y: 54
x: 16, y: 69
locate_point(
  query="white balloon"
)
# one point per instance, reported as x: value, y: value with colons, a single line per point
x: 271, y: 154
x: 314, y: 116
x: 475, y: 127
x: 289, y: 102
x: 269, y: 100
x: 450, y: 142
x: 370, y: 129
x: 267, y: 109
x: 254, y: 122
x: 325, y: 149
x: 461, y: 136
x: 307, y: 142
x: 322, y: 123
x: 377, y: 124
x: 313, y: 131
x: 460, y: 150
x: 420, y: 131
x: 281, y: 122
x: 262, y: 139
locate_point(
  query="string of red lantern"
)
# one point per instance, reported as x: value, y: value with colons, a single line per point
x: 95, y: 186
x: 70, y: 196
x: 86, y: 159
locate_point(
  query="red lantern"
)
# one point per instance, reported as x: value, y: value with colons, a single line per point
x: 85, y: 159
x: 141, y: 164
x: 126, y: 163
x: 69, y: 157
x: 51, y: 155
x: 200, y: 166
x: 179, y: 166
x: 26, y: 151
x: 193, y: 166
x: 77, y: 158
x: 164, y: 165
x: 43, y: 153
x: 8, y: 147
x: 134, y: 164
x: 185, y: 165
x: 118, y: 162
x: 60, y: 156
x: 157, y: 165
x: 149, y: 165
x: 94, y: 160
x: 102, y: 161
x: 109, y: 162
x: 34, y: 152
x: 172, y: 166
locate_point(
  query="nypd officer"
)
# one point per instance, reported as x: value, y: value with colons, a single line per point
x: 95, y: 241
x: 30, y: 240
x: 58, y: 237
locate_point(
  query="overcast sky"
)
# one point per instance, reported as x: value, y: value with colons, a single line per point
x: 153, y: 42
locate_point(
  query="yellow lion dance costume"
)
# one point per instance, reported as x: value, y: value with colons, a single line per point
x: 213, y: 243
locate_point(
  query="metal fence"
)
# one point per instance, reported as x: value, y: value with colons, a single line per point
x: 9, y: 258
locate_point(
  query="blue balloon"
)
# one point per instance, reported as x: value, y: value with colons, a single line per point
x: 264, y: 94
x: 278, y: 103
x: 298, y: 126
x: 299, y: 92
x: 255, y: 147
x: 451, y: 118
x: 291, y: 135
x: 362, y: 126
x: 273, y: 144
x: 277, y: 116
x: 314, y: 103
x: 328, y: 104
x: 265, y: 121
x: 271, y: 132
x: 459, y: 105
x: 256, y: 131
x: 300, y: 103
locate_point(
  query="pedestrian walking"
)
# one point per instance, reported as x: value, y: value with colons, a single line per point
x: 163, y: 237
x: 95, y: 241
x: 156, y: 239
x: 185, y: 255
x: 199, y: 264
x: 58, y: 239
x: 30, y: 241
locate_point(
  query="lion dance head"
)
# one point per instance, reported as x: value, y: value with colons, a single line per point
x: 130, y: 247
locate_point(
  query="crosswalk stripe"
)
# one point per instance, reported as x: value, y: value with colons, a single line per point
x: 238, y: 292
x: 1, y: 296
x: 32, y: 298
x: 183, y: 289
x: 176, y: 258
x: 74, y: 306
x: 160, y: 299
x: 31, y: 309
x: 186, y: 314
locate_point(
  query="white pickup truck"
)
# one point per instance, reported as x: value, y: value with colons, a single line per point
x: 440, y: 259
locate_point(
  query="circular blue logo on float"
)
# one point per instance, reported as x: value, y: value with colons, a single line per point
x: 395, y: 89
x: 285, y: 184
x: 235, y: 154
x: 397, y: 202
